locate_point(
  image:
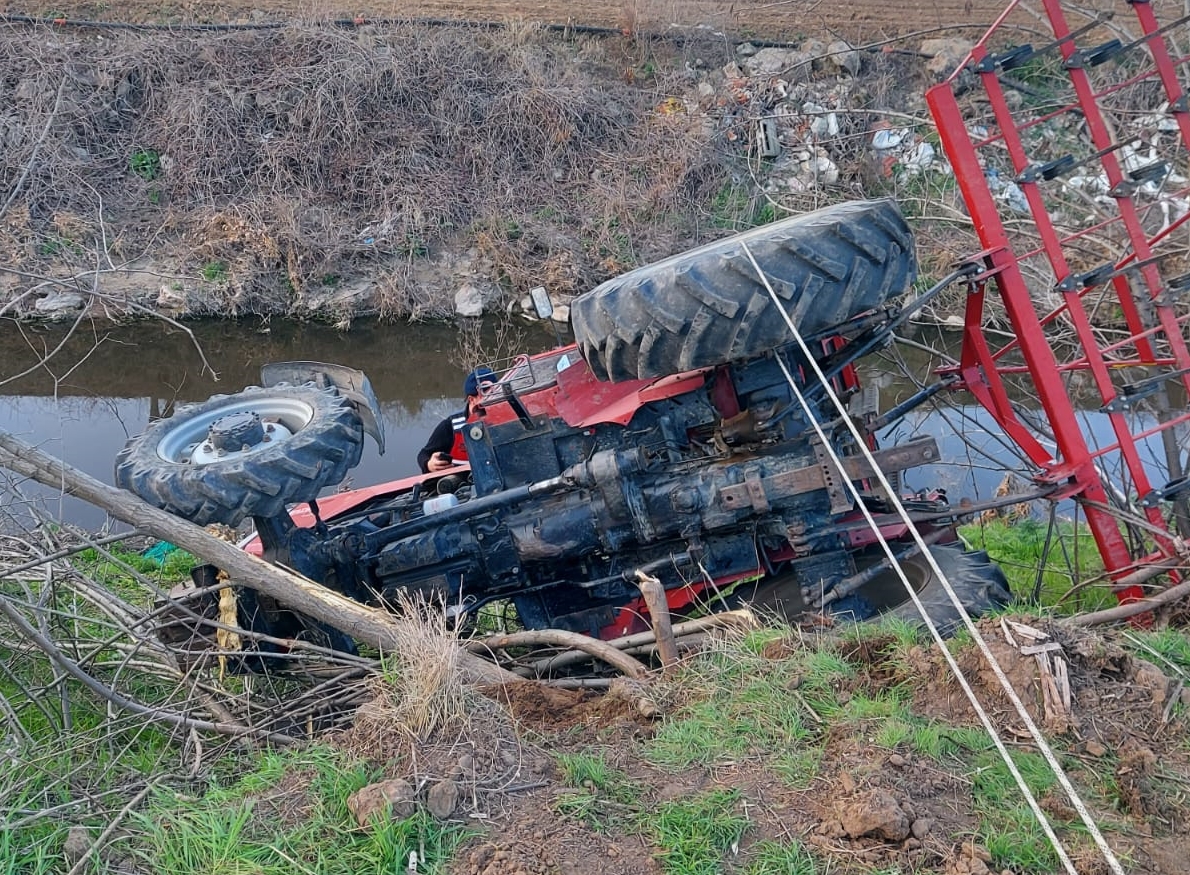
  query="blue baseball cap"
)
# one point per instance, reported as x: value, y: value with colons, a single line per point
x: 476, y: 378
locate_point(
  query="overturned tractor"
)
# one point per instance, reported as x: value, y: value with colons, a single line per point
x: 685, y: 435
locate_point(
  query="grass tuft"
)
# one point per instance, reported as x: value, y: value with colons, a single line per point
x: 776, y: 858
x: 695, y: 834
x: 276, y: 819
x: 421, y: 687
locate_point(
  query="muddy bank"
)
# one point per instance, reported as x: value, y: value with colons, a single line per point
x: 406, y: 171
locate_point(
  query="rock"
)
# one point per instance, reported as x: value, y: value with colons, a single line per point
x: 77, y: 844
x: 1150, y: 677
x: 847, y: 782
x: 561, y: 313
x: 172, y: 298
x: 746, y: 50
x: 787, y: 63
x: 472, y: 299
x: 465, y: 766
x: 815, y: 50
x: 823, y: 123
x: 397, y: 796
x: 442, y: 799
x: 824, y: 171
x: 59, y: 305
x: 945, y: 53
x: 1095, y: 748
x: 841, y: 55
x: 731, y: 70
x: 921, y: 827
x: 646, y: 707
x: 895, y: 759
x: 874, y: 813
x: 977, y: 852
x: 358, y: 297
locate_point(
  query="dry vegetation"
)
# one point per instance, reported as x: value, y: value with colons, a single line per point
x: 270, y: 162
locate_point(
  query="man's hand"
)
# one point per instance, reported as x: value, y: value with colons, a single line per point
x: 439, y: 462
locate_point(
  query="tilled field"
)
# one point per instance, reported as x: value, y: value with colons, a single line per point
x: 766, y: 19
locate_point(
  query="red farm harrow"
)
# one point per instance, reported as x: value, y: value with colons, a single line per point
x: 1070, y: 151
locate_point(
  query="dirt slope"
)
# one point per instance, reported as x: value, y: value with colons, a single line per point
x: 864, y: 21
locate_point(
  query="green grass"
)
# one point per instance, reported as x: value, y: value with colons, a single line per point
x: 1018, y: 547
x: 695, y: 834
x: 1169, y: 648
x: 603, y: 797
x: 145, y: 163
x: 31, y: 853
x: 249, y: 826
x: 91, y: 767
x: 583, y: 769
x: 799, y: 767
x: 1008, y: 828
x: 749, y: 711
x: 215, y: 271
x: 777, y: 858
x: 758, y: 709
x: 734, y: 207
x: 173, y: 568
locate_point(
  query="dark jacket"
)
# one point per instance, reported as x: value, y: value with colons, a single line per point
x: 445, y: 438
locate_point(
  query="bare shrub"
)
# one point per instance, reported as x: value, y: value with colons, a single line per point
x: 297, y: 153
x: 421, y: 687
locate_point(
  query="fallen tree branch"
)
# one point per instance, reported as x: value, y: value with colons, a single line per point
x: 1131, y: 609
x: 369, y: 625
x: 71, y: 668
x: 601, y: 650
x: 742, y: 619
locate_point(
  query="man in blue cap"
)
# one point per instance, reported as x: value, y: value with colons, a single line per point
x: 446, y: 446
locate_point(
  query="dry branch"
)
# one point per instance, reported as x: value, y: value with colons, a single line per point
x: 1132, y: 609
x: 371, y: 626
x: 741, y: 619
x: 654, y: 595
x: 617, y: 659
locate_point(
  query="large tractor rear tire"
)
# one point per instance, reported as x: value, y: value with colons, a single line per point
x: 708, y: 306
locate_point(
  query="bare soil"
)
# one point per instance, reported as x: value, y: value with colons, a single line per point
x: 1125, y: 748
x: 764, y: 19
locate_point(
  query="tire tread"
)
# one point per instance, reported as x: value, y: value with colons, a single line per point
x: 259, y: 484
x: 705, y: 307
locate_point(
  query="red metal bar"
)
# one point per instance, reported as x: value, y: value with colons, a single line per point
x: 1034, y: 345
x: 1101, y: 138
x: 1148, y: 432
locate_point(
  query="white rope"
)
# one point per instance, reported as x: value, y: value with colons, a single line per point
x: 1014, y: 698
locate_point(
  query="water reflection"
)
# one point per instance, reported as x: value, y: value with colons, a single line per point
x: 101, y: 387
x: 104, y: 385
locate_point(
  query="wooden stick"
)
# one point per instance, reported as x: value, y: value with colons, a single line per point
x: 685, y: 644
x: 743, y: 619
x: 580, y: 683
x: 1123, y: 612
x: 1142, y: 575
x: 372, y: 626
x: 654, y: 596
x: 561, y: 638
